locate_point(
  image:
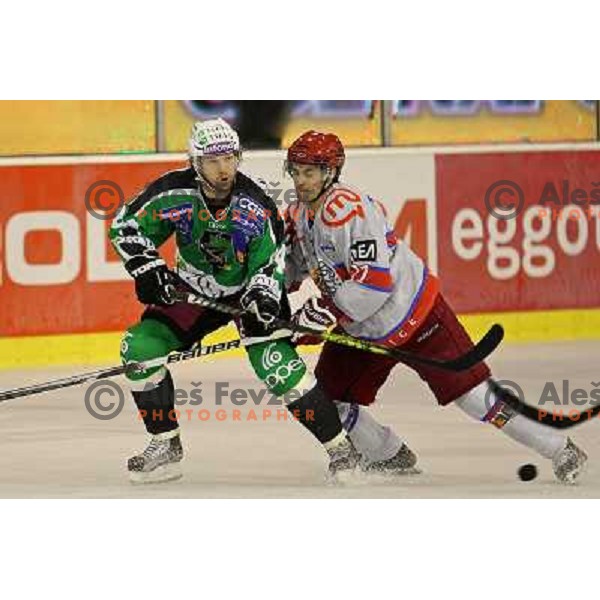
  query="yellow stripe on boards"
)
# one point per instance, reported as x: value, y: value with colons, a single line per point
x: 103, y: 348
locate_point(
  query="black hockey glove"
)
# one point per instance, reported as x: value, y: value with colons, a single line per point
x: 155, y: 285
x: 315, y: 314
x: 261, y: 299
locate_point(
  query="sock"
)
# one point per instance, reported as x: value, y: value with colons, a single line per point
x: 156, y: 403
x: 318, y: 414
x: 375, y: 442
x: 484, y: 403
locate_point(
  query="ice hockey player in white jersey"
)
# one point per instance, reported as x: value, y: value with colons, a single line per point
x: 377, y: 289
x: 229, y: 247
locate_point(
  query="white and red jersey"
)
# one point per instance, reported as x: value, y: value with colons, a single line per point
x: 352, y: 254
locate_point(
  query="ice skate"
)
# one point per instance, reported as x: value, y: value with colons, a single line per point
x: 402, y: 463
x: 569, y: 463
x: 343, y: 460
x: 159, y: 462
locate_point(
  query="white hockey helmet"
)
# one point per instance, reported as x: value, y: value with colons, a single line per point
x: 213, y: 137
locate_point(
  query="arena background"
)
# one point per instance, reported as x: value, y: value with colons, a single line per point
x: 437, y: 167
x: 66, y: 298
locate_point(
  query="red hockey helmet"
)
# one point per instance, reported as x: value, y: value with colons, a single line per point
x: 314, y: 148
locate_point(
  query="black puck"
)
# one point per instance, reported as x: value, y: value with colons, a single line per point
x: 527, y: 472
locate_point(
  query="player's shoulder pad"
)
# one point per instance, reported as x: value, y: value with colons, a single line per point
x: 171, y: 181
x: 245, y: 187
x: 341, y: 205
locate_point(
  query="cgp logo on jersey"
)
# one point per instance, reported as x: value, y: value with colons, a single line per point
x: 249, y: 206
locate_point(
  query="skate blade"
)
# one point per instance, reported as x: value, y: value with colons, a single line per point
x: 162, y: 474
x: 575, y: 476
x: 350, y: 476
x: 357, y: 478
x: 394, y: 474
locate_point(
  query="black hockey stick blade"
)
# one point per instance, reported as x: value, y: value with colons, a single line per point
x: 556, y: 420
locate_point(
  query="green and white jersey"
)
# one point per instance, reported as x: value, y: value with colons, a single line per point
x: 218, y: 250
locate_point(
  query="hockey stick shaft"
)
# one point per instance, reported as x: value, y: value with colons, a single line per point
x: 65, y: 382
x: 551, y: 418
x: 557, y: 420
x: 479, y: 352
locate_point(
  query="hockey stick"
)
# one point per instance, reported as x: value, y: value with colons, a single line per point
x: 479, y: 352
x: 174, y: 357
x: 552, y: 419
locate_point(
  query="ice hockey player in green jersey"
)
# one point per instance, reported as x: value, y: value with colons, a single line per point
x: 229, y: 240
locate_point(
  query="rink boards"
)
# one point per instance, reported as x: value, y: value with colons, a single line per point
x: 66, y: 297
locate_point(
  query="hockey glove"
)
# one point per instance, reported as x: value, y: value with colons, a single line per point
x: 313, y: 314
x: 261, y: 299
x: 155, y: 285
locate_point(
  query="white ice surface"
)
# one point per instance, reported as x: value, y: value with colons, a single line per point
x: 51, y: 447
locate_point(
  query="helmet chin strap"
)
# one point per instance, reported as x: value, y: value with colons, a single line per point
x: 204, y: 182
x: 329, y: 179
